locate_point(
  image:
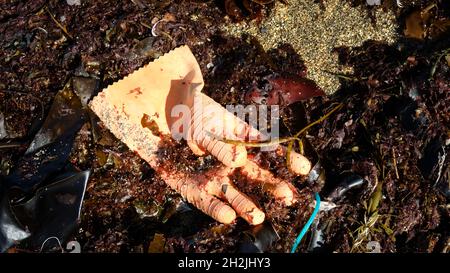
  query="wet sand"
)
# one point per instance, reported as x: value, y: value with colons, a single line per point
x: 315, y: 32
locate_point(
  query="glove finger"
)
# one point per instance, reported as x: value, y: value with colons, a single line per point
x: 242, y: 204
x: 207, y: 131
x: 220, y: 185
x: 280, y: 189
x: 196, y: 193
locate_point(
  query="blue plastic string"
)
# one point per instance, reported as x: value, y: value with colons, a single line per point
x: 307, y: 225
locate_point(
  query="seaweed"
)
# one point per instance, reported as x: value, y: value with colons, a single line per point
x: 392, y: 133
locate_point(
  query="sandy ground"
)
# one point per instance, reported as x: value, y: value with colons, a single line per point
x: 314, y: 32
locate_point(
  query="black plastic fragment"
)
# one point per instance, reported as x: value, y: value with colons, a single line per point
x: 54, y: 210
x: 50, y: 149
x: 258, y: 239
x: 41, y: 198
x: 11, y: 231
x: 348, y: 183
x: 65, y: 118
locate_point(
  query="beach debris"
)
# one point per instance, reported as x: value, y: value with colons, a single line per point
x: 43, y: 192
x: 54, y: 210
x: 123, y: 105
x: 258, y: 239
x: 3, y: 133
x: 85, y: 88
x: 73, y: 2
x: 11, y: 231
x: 350, y: 182
x: 373, y: 2
x: 185, y: 221
x: 51, y: 210
x: 65, y: 117
x: 49, y: 150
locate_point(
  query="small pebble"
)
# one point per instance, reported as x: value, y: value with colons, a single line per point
x: 73, y: 2
x: 2, y: 126
x: 373, y: 2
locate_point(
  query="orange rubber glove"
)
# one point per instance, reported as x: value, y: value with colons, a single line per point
x: 149, y: 95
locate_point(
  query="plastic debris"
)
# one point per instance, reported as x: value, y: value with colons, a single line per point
x: 138, y: 110
x: 258, y: 239
x: 73, y: 2
x: 54, y: 210
x: 11, y: 231
x: 42, y: 195
x: 3, y: 133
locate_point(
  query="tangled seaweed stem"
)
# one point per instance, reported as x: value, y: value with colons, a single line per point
x: 291, y: 143
x: 260, y: 144
x: 291, y: 140
x: 9, y: 145
x: 58, y: 24
x: 433, y: 68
